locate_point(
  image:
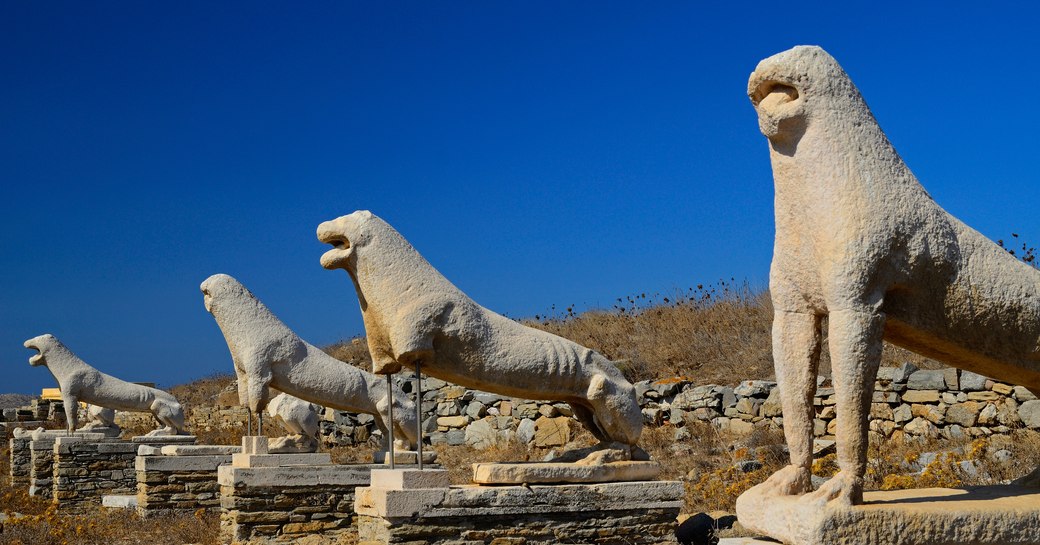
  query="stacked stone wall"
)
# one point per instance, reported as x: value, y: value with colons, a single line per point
x: 908, y: 403
x: 85, y: 471
x: 284, y: 504
x: 21, y: 460
x: 168, y: 484
x: 41, y: 471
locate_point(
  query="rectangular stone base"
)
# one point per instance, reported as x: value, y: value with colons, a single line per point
x: 177, y: 482
x: 549, y: 472
x: 991, y: 515
x: 630, y: 512
x: 279, y: 504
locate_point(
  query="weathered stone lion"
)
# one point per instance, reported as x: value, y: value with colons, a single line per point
x: 860, y: 241
x: 266, y: 353
x: 413, y: 314
x: 101, y: 419
x: 300, y: 419
x: 79, y: 381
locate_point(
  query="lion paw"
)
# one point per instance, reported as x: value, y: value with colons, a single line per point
x: 843, y: 488
x: 789, y: 481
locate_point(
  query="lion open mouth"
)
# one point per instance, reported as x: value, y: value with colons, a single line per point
x: 337, y: 256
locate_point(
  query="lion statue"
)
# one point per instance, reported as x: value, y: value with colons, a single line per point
x: 267, y: 354
x: 300, y: 419
x: 860, y: 241
x: 100, y: 419
x: 413, y: 314
x: 78, y: 381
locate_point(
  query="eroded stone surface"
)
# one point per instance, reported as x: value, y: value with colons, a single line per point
x: 406, y: 304
x: 81, y: 382
x: 860, y: 241
x: 548, y: 472
x: 300, y: 418
x: 995, y: 515
x: 637, y: 513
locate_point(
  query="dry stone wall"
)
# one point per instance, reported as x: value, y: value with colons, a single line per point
x: 908, y: 403
x: 21, y: 460
x: 86, y: 470
x: 168, y: 484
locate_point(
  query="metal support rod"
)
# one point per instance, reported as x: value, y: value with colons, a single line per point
x: 418, y: 413
x: 390, y: 413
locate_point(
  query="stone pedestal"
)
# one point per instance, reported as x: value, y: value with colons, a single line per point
x: 991, y: 515
x: 405, y: 506
x: 179, y: 478
x: 21, y: 460
x: 86, y: 470
x: 276, y: 498
x: 87, y: 467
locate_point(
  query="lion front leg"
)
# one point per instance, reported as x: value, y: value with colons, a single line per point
x: 71, y: 412
x: 855, y: 344
x: 796, y: 359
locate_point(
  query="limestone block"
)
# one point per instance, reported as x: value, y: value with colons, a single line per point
x: 1002, y: 389
x: 988, y: 415
x: 198, y: 450
x: 920, y: 426
x: 1029, y: 412
x: 771, y: 407
x: 921, y: 396
x: 552, y: 432
x: 927, y: 380
x: 984, y: 396
x: 481, y: 434
x: 754, y: 388
x: 963, y: 414
x: 902, y: 413
x: 549, y: 472
x: 952, y: 375
x: 525, y: 430
x: 881, y: 411
x: 995, y: 515
x: 280, y: 460
x: 410, y: 479
x: 119, y: 501
x: 933, y: 413
x: 1022, y: 394
x: 972, y: 382
x: 452, y: 421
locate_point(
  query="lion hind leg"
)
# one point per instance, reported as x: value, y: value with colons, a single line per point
x: 615, y: 409
x: 170, y: 414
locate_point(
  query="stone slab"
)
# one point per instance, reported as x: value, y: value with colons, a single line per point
x: 404, y: 457
x: 280, y: 460
x: 164, y: 439
x: 991, y: 515
x: 474, y: 500
x: 746, y: 541
x: 410, y: 479
x: 199, y: 450
x: 548, y: 472
x: 119, y: 501
x: 295, y: 476
x: 181, y: 463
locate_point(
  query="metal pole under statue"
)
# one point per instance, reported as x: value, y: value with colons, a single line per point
x: 390, y: 417
x: 418, y: 413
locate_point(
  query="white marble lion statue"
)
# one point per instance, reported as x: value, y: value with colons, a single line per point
x: 267, y: 354
x: 860, y: 241
x: 78, y: 381
x: 414, y: 314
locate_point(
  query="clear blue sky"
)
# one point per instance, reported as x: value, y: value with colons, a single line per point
x: 537, y: 153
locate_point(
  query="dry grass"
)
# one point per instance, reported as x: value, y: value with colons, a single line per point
x: 203, y: 391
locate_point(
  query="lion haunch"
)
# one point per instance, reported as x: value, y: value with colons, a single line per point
x: 414, y: 314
